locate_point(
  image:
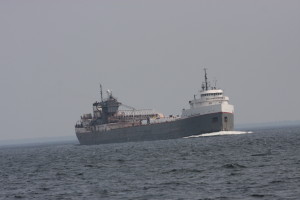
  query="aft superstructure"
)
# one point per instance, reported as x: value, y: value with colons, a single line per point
x: 209, y: 100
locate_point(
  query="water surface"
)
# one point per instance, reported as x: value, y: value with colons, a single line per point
x: 264, y: 164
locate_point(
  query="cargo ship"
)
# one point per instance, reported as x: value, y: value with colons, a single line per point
x: 209, y: 111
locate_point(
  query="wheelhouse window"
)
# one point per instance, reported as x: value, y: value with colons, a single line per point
x: 225, y: 119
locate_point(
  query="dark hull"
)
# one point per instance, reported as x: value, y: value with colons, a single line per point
x: 168, y: 130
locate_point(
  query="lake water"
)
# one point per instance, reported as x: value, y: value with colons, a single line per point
x: 263, y: 164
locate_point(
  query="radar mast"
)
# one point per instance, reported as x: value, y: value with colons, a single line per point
x: 206, y: 83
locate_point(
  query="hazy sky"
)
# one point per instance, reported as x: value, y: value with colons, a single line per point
x: 151, y: 54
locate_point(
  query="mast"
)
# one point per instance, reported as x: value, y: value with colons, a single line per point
x: 101, y: 93
x: 206, y: 83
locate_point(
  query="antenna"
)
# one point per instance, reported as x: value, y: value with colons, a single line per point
x: 215, y: 83
x: 206, y: 86
x: 101, y: 93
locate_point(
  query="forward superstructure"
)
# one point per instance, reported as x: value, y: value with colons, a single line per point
x: 209, y: 111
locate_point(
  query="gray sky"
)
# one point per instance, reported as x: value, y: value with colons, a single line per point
x: 151, y: 54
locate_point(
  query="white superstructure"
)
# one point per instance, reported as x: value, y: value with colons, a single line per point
x: 208, y: 101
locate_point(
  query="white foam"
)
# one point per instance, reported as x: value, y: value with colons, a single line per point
x: 220, y: 133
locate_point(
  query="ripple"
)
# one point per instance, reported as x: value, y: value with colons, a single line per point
x: 233, y: 166
x: 258, y: 195
x: 183, y: 171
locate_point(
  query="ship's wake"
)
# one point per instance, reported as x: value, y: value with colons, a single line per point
x: 220, y: 133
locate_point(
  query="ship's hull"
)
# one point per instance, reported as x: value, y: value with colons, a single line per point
x: 161, y: 131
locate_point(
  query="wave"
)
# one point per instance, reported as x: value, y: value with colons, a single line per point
x: 220, y: 133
